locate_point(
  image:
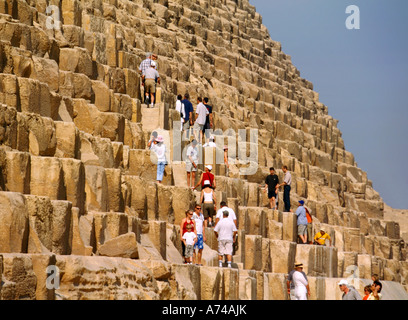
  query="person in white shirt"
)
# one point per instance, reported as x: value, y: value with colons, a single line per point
x: 191, y: 163
x: 300, y: 282
x: 180, y: 108
x: 231, y: 214
x: 160, y: 149
x: 201, y: 224
x: 189, y: 239
x: 201, y: 112
x: 225, y: 231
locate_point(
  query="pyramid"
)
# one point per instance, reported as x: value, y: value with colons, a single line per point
x: 81, y: 214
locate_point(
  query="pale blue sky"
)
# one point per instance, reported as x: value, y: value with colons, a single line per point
x: 360, y: 75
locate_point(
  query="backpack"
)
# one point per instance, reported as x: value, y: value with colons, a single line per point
x: 308, y: 216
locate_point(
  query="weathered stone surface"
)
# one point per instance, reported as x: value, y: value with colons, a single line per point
x: 73, y: 135
x: 124, y: 246
x: 47, y: 178
x: 13, y: 222
x: 19, y: 280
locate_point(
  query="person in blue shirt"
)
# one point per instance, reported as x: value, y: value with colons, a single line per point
x: 188, y: 116
x: 302, y: 221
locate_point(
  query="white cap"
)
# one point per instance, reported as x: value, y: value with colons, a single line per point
x: 153, y: 64
x: 209, y: 167
x: 343, y: 282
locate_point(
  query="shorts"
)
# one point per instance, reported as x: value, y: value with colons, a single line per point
x: 150, y: 86
x: 186, y: 125
x: 189, y: 251
x: 190, y: 167
x: 200, y: 242
x: 271, y: 194
x: 225, y: 247
x: 198, y: 127
x: 302, y: 229
x: 208, y: 210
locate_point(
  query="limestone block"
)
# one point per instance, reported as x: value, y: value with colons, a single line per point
x: 71, y: 12
x: 274, y: 229
x: 75, y: 85
x: 47, y: 178
x: 46, y: 70
x: 186, y: 283
x: 61, y: 227
x: 132, y: 83
x: 13, y: 222
x: 40, y: 264
x: 289, y: 225
x: 123, y: 246
x: 256, y: 221
x: 114, y: 181
x: 19, y: 280
x: 352, y: 240
x: 212, y: 241
x: 374, y: 209
x: 134, y: 194
x: 29, y: 95
x: 230, y: 284
x: 102, y: 96
x: 210, y: 283
x: 79, y: 246
x: 275, y: 286
x: 392, y: 229
x: 42, y: 137
x: 67, y: 136
x: 347, y: 264
x: 282, y: 255
x: 165, y: 200
x: 266, y: 258
x: 123, y: 104
x: 76, y: 60
x: 86, y: 225
x: 9, y: 92
x: 108, y: 226
x: 364, y: 266
x: 376, y: 227
x: 133, y: 135
x: 253, y: 252
x: 318, y: 260
x: 80, y: 269
x: 40, y: 214
x: 358, y: 189
x: 247, y: 285
x: 142, y: 165
x: 152, y: 202
x: 74, y: 182
x: 17, y: 171
x: 157, y: 234
x: 96, y: 189
x: 253, y: 195
x: 179, y: 174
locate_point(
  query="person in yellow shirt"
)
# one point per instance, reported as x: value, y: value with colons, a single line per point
x: 321, y: 237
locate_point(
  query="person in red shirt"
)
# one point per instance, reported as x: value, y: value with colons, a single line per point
x: 183, y: 229
x: 207, y: 175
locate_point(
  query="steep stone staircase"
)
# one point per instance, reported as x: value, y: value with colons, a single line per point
x: 78, y: 182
